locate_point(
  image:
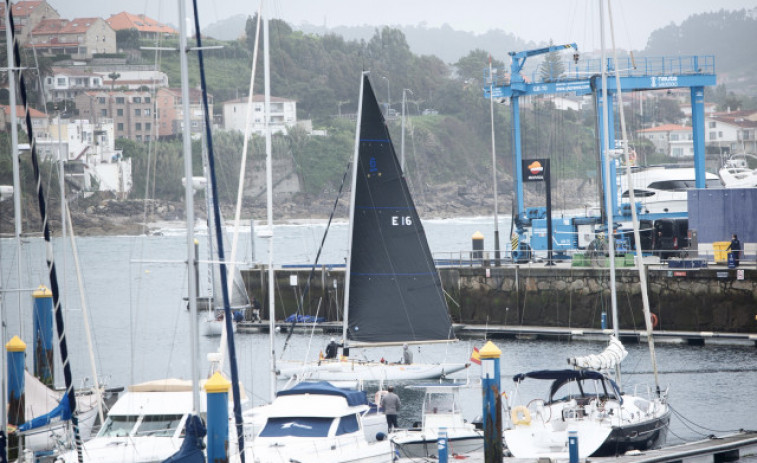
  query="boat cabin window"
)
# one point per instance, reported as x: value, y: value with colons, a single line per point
x: 587, y: 389
x: 297, y: 427
x: 639, y: 193
x: 347, y: 424
x: 440, y: 403
x: 158, y: 425
x: 117, y: 426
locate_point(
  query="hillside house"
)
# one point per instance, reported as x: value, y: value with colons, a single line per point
x: 132, y: 112
x: 26, y: 16
x: 147, y: 28
x: 670, y: 139
x: 81, y: 38
x: 283, y: 114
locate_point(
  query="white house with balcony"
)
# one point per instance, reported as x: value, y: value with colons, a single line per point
x: 670, y: 139
x: 68, y: 83
x: 283, y: 114
x: 732, y: 132
x: 88, y: 150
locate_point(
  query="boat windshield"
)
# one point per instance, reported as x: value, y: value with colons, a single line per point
x: 585, y: 389
x: 440, y: 403
x: 297, y: 427
x: 117, y: 426
x: 158, y: 425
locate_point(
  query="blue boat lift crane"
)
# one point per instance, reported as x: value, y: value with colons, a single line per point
x: 582, y: 77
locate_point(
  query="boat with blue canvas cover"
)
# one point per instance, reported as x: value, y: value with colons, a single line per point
x: 320, y: 422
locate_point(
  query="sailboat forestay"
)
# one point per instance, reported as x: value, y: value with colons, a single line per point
x: 393, y: 292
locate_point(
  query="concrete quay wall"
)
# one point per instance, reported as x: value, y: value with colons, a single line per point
x: 710, y: 299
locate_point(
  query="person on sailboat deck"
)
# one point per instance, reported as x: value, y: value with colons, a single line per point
x: 391, y: 404
x: 735, y: 248
x: 256, y: 308
x: 407, y: 356
x: 332, y: 349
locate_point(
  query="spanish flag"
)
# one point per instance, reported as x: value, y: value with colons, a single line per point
x: 475, y: 357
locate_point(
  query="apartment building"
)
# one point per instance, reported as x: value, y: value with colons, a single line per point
x: 132, y: 112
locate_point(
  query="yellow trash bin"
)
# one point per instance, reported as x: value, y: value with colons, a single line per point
x: 721, y: 251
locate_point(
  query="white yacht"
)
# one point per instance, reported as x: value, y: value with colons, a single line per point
x: 736, y: 172
x: 662, y: 189
x: 441, y: 410
x: 319, y: 422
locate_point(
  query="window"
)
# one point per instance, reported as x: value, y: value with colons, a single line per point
x: 117, y: 426
x: 120, y: 127
x: 137, y: 99
x: 674, y: 137
x: 147, y: 99
x: 137, y: 112
x: 347, y: 424
x: 712, y: 124
x: 296, y: 427
x: 104, y: 112
x: 120, y: 112
x: 101, y: 99
x: 139, y: 137
x: 120, y: 100
x: 677, y: 152
x: 720, y: 134
x: 138, y: 126
x: 713, y: 135
x: 146, y: 111
x: 148, y: 126
x: 158, y: 425
x: 61, y: 81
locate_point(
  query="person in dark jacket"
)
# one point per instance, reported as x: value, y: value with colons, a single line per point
x: 391, y: 404
x: 735, y: 248
x: 332, y: 349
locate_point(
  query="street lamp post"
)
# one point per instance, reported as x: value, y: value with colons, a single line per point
x: 388, y: 93
x: 402, y: 145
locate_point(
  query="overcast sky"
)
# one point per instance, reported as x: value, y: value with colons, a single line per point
x: 563, y: 21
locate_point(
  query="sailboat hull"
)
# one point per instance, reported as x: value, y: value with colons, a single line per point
x: 650, y: 434
x: 369, y: 371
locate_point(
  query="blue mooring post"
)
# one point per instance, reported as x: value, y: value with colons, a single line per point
x: 604, y: 320
x: 492, y: 400
x: 16, y: 356
x: 217, y: 390
x: 43, y: 335
x: 573, y: 446
x: 441, y: 445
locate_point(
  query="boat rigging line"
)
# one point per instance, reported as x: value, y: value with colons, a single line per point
x: 57, y: 305
x: 219, y: 237
x: 300, y: 303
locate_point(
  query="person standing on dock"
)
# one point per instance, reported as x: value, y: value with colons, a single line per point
x: 735, y: 248
x: 391, y: 404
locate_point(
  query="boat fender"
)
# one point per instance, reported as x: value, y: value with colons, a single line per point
x: 380, y: 436
x: 655, y: 320
x: 520, y: 415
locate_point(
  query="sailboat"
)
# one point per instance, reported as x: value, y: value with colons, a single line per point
x: 585, y: 400
x: 393, y: 293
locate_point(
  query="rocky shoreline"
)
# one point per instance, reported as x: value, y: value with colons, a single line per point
x: 136, y: 217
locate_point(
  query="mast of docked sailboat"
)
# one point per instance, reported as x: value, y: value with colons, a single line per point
x: 608, y: 190
x: 54, y: 288
x: 346, y: 302
x: 219, y: 239
x: 634, y: 218
x: 189, y: 200
x: 269, y: 194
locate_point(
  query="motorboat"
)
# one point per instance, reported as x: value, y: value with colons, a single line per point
x: 736, y: 172
x: 145, y: 425
x: 662, y: 189
x: 441, y: 410
x: 319, y: 422
x: 348, y: 369
x: 587, y: 401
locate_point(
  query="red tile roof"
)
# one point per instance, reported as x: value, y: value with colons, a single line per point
x: 665, y: 128
x: 21, y: 113
x: 64, y: 26
x: 140, y: 22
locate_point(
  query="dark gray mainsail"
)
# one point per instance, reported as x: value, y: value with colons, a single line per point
x: 395, y: 294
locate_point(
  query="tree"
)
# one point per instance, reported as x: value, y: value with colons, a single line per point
x: 113, y: 76
x: 552, y: 68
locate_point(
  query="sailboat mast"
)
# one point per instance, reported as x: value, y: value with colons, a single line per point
x: 189, y: 200
x: 608, y: 190
x: 346, y: 322
x: 634, y: 217
x: 269, y: 195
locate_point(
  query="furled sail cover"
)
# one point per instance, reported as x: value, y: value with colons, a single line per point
x: 611, y: 356
x: 395, y: 291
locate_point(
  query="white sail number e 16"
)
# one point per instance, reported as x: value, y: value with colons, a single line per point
x: 401, y: 220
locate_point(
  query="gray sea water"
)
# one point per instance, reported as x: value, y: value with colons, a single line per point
x: 134, y: 286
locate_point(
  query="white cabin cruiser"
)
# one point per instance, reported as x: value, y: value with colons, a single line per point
x: 736, y: 172
x: 319, y: 422
x: 662, y: 189
x: 441, y: 409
